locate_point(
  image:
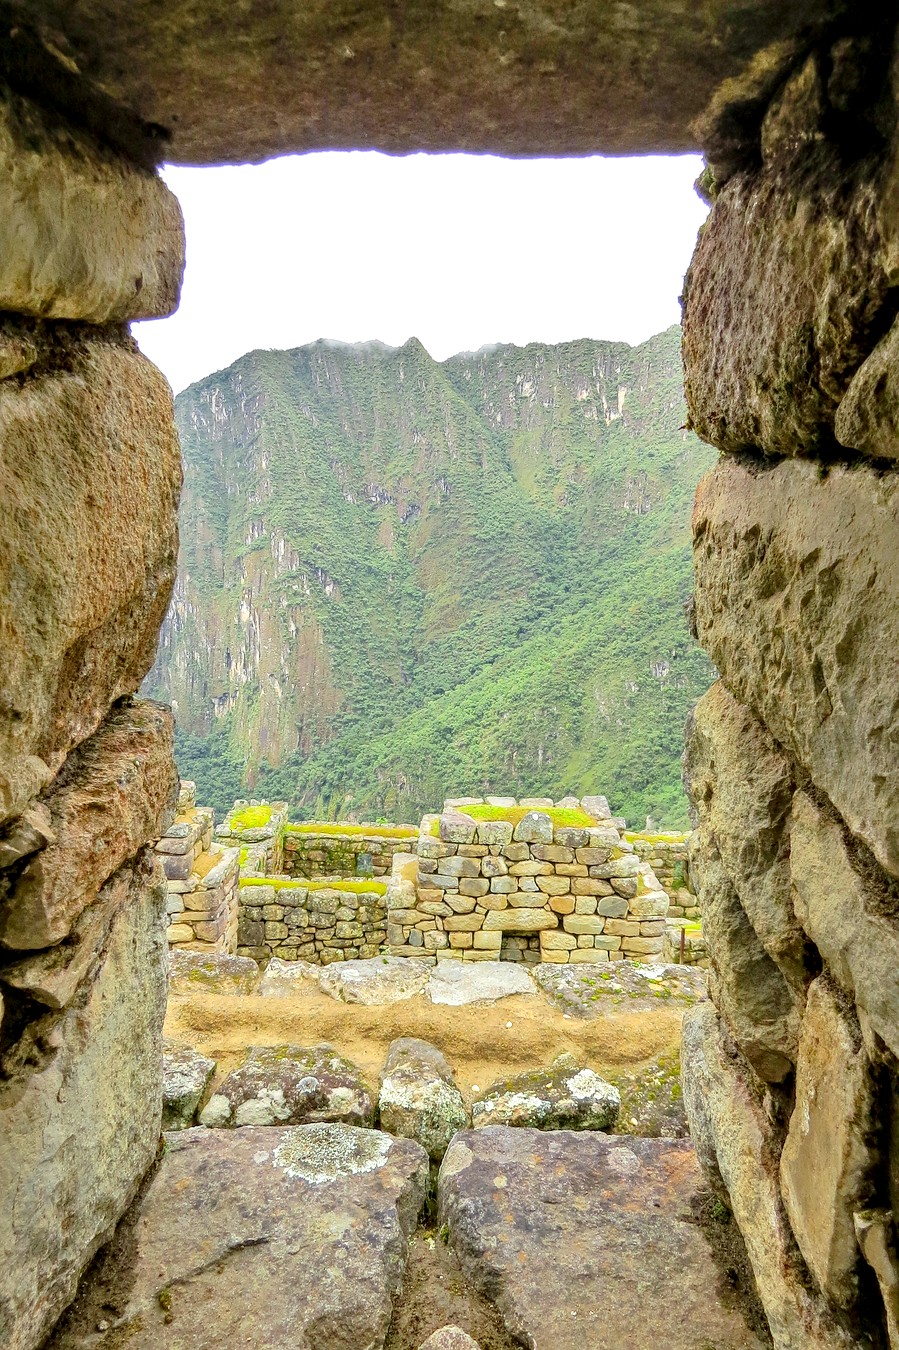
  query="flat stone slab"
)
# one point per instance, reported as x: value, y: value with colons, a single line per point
x: 379, y: 979
x: 458, y: 982
x: 288, y: 1238
x: 587, y: 1241
x: 212, y: 973
x: 284, y: 979
x: 619, y: 986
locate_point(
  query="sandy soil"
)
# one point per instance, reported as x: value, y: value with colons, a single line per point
x: 482, y: 1042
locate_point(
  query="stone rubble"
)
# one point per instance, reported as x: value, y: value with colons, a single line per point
x: 290, y: 1085
x: 419, y: 1098
x: 566, y: 1096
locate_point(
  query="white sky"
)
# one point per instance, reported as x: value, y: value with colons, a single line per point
x: 457, y: 250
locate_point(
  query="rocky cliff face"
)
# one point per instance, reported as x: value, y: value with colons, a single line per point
x: 399, y: 576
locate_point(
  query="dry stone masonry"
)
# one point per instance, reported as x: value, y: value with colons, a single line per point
x: 580, y: 892
x: 351, y: 851
x: 201, y: 880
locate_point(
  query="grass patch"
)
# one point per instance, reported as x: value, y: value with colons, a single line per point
x: 568, y: 816
x: 250, y: 818
x: 336, y: 828
x: 669, y: 837
x: 358, y: 885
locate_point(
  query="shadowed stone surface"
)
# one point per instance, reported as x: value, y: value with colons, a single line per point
x: 579, y: 1240
x: 80, y: 1109
x: 90, y: 472
x: 419, y: 1098
x: 797, y: 604
x: 185, y: 1075
x: 622, y: 986
x: 292, y: 1239
x: 232, y: 83
x: 291, y: 1085
x: 731, y: 1133
x: 566, y: 1096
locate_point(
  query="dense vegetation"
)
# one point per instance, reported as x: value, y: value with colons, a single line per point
x: 403, y: 579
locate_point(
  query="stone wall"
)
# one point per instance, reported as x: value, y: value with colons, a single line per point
x: 201, y: 880
x: 321, y: 922
x: 790, y: 342
x: 472, y: 884
x: 265, y: 840
x: 308, y: 853
x: 90, y: 238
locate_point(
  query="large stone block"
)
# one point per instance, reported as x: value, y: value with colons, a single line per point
x: 797, y: 604
x: 81, y: 1104
x: 89, y: 479
x: 83, y: 233
x: 789, y: 285
x: 827, y: 1165
x: 741, y: 784
x: 732, y: 1135
x: 848, y: 909
x: 114, y: 793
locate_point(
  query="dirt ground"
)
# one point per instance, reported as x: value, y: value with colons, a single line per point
x: 483, y: 1042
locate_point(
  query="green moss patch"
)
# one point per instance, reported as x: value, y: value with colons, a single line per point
x: 336, y: 828
x: 559, y: 815
x: 250, y: 818
x: 358, y: 885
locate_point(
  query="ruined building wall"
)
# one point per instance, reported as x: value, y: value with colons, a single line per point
x: 89, y: 482
x: 792, y: 762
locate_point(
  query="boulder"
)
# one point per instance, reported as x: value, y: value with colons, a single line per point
x: 456, y: 828
x: 534, y: 828
x: 732, y: 1133
x: 279, y: 1237
x: 123, y: 776
x: 185, y: 1077
x: 456, y: 982
x: 741, y: 785
x: 600, y: 990
x: 449, y: 1338
x: 378, y: 979
x: 212, y: 973
x: 284, y: 979
x: 576, y: 1238
x: 290, y: 1085
x: 80, y: 1103
x: 83, y: 233
x: 847, y: 910
x: 827, y: 1166
x: 566, y: 1096
x: 419, y: 1098
x: 90, y: 472
x: 796, y: 608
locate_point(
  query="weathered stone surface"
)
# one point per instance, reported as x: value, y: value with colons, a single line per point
x: 89, y: 478
x: 534, y: 828
x: 291, y: 1085
x: 867, y: 419
x: 827, y: 1164
x: 120, y: 786
x: 283, y: 979
x: 449, y: 1338
x: 521, y: 919
x: 849, y: 913
x: 577, y: 1238
x: 185, y: 1077
x: 797, y: 605
x: 456, y: 828
x: 83, y: 233
x: 212, y: 973
x: 731, y: 1133
x: 379, y: 979
x: 761, y: 1008
x: 600, y: 991
x: 515, y: 82
x: 419, y: 1098
x: 458, y: 982
x: 566, y: 1096
x: 741, y: 785
x: 783, y: 299
x: 301, y: 1241
x: 80, y: 1106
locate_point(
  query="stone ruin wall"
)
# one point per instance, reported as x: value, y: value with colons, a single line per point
x: 472, y: 885
x: 792, y: 351
x: 308, y: 854
x: 201, y: 879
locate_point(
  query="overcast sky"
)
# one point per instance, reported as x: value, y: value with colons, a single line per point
x: 457, y: 250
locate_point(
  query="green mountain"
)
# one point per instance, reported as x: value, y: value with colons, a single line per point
x: 403, y: 578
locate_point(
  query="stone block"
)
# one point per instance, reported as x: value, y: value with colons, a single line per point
x: 492, y: 901
x: 652, y: 928
x: 179, y: 932
x: 459, y: 904
x: 474, y: 954
x: 81, y: 1121
x: 588, y: 886
x: 554, y: 956
x: 553, y: 853
x: 460, y: 867
x: 554, y: 885
x: 583, y: 923
x: 828, y: 1161
x: 465, y: 923
x: 89, y: 478
x: 520, y: 920
x: 494, y: 867
x: 503, y: 885
x: 587, y: 957
x: 585, y: 904
x: 460, y: 940
x: 456, y: 828
x: 571, y: 869
x: 493, y: 832
x: 567, y: 837
x: 534, y: 828
x: 801, y: 617
x: 84, y: 235
x: 526, y: 899
x: 613, y: 907
x: 123, y: 776
x: 649, y: 904
x: 530, y: 868
x: 643, y: 946
x: 516, y: 852
x: 485, y: 941
x: 562, y: 904
x: 474, y: 886
x: 556, y: 941
x: 473, y: 850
